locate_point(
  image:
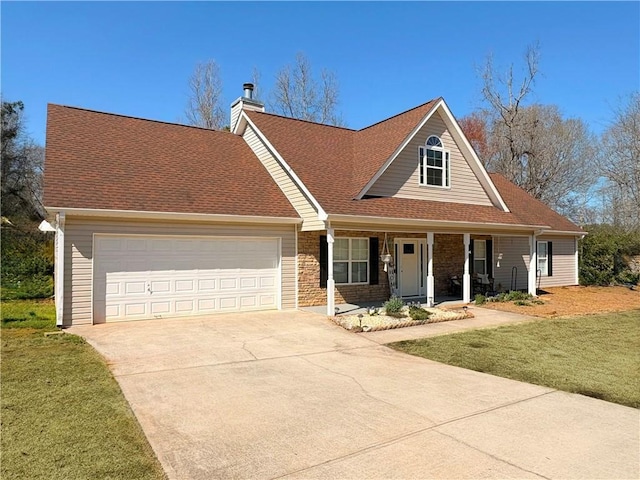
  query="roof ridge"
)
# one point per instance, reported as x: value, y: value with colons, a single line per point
x: 401, y: 113
x: 138, y: 118
x: 302, y: 120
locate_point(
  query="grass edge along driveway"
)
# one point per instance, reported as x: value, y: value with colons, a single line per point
x: 594, y: 355
x: 63, y: 414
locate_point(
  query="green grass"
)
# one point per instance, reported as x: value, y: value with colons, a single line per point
x: 596, y: 355
x: 63, y: 414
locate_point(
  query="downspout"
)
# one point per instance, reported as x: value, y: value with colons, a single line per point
x: 59, y: 268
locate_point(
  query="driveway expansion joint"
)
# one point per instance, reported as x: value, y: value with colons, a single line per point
x: 399, y: 438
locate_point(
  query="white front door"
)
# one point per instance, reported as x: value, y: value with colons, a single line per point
x: 409, y: 253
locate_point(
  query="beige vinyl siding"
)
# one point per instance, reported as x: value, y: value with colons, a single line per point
x: 78, y: 270
x: 297, y: 198
x: 563, y: 261
x: 509, y: 252
x: 401, y: 179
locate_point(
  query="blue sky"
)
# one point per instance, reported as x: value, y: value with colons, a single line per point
x: 135, y: 58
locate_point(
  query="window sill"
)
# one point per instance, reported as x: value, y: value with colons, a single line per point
x: 434, y: 186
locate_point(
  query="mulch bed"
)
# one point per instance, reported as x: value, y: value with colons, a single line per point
x: 577, y: 300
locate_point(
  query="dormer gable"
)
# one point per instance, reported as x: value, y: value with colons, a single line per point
x: 435, y: 162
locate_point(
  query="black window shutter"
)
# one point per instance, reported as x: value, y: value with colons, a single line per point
x: 490, y: 258
x: 549, y: 259
x: 324, y: 261
x: 471, y: 257
x: 373, y: 261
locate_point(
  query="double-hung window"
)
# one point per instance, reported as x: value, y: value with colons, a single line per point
x: 434, y: 164
x: 543, y: 258
x: 351, y: 260
x: 480, y: 256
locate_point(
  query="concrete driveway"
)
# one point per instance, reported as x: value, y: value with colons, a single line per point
x: 291, y: 395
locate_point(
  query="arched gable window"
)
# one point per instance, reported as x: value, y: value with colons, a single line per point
x: 434, y: 165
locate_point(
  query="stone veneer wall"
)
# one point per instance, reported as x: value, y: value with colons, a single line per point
x: 448, y: 260
x: 309, y: 291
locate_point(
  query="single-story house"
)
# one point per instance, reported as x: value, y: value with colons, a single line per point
x: 158, y: 220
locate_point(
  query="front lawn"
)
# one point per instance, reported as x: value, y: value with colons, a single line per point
x: 63, y: 414
x: 597, y: 355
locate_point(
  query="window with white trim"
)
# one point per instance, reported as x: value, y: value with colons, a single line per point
x: 351, y: 260
x: 480, y: 256
x: 434, y: 165
x: 543, y: 258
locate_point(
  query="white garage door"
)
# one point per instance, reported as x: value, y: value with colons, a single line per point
x: 142, y: 277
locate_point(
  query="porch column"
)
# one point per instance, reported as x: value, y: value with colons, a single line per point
x: 430, y: 284
x: 331, y: 304
x: 58, y: 270
x: 533, y: 265
x: 466, y: 277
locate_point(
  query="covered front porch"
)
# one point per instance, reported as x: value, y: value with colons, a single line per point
x: 343, y: 269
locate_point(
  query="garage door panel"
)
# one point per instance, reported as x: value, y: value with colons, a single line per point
x: 135, y: 288
x: 207, y: 284
x: 138, y: 309
x: 154, y: 277
x: 228, y: 303
x: 160, y: 286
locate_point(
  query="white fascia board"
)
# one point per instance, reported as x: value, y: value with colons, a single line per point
x: 476, y: 165
x: 241, y: 123
x: 321, y: 213
x: 563, y: 232
x: 196, y: 217
x: 397, y: 151
x: 388, y: 221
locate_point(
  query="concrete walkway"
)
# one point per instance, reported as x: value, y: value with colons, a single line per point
x: 291, y: 395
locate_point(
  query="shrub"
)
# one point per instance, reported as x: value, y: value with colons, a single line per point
x: 27, y: 264
x: 480, y: 299
x: 515, y: 295
x: 418, y: 313
x: 522, y: 303
x: 393, y: 305
x: 603, y: 255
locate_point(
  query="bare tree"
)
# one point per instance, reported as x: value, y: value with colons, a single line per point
x: 22, y: 167
x: 620, y: 163
x: 533, y: 145
x: 205, y: 96
x: 297, y: 94
x: 257, y: 84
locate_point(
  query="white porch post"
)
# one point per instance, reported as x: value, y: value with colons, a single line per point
x: 430, y: 284
x: 59, y: 268
x: 466, y: 277
x: 533, y: 265
x: 331, y: 304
